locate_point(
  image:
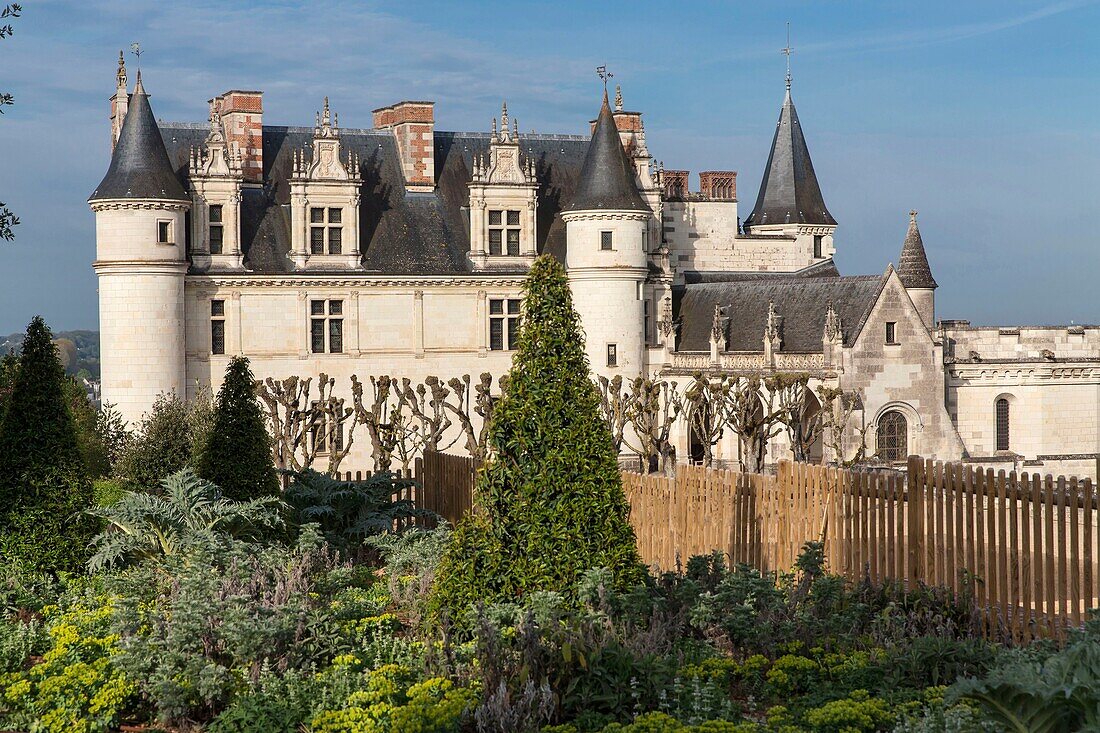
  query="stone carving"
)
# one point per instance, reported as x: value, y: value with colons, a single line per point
x: 718, y: 327
x: 666, y: 324
x: 833, y: 330
x: 773, y: 338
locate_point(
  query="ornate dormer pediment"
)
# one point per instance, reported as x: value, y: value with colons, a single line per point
x: 215, y: 159
x: 503, y: 193
x: 326, y: 162
x: 324, y: 199
x: 505, y: 164
x: 217, y: 177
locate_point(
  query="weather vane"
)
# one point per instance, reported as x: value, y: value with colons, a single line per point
x: 135, y: 49
x: 786, y: 51
x: 604, y: 74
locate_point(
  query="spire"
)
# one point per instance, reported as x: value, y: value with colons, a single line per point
x: 607, y: 176
x: 913, y: 269
x: 140, y: 168
x: 789, y: 191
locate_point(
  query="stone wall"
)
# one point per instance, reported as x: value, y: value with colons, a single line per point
x: 702, y: 236
x: 906, y: 376
x: 409, y: 331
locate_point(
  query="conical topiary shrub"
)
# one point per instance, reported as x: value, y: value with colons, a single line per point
x: 44, y: 487
x: 236, y: 454
x: 550, y: 502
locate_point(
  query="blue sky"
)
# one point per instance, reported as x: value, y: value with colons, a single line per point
x: 981, y: 115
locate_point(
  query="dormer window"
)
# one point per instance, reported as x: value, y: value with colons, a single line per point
x: 504, y: 230
x: 326, y: 233
x: 215, y: 229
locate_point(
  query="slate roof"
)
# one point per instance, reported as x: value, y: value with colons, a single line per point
x: 400, y: 233
x: 913, y: 269
x: 607, y: 176
x: 139, y: 165
x: 789, y: 191
x: 826, y: 268
x: 802, y: 303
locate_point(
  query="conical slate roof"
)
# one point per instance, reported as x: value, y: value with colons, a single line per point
x: 913, y: 269
x: 789, y: 192
x: 607, y: 175
x: 140, y: 168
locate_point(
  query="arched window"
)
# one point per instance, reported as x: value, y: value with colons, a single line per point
x: 893, y: 437
x: 1002, y: 424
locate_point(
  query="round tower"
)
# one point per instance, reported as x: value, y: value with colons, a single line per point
x: 607, y: 223
x: 140, y: 209
x: 916, y: 275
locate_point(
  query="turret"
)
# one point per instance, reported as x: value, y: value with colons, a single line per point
x: 916, y: 275
x: 790, y: 203
x: 140, y: 209
x: 607, y: 224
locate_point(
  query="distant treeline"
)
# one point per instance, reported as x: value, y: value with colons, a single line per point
x: 79, y: 350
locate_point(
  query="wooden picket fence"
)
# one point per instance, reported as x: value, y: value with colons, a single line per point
x: 1022, y: 547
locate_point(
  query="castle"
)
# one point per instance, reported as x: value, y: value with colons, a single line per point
x: 401, y: 249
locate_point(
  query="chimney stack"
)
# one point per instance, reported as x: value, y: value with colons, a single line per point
x: 413, y: 126
x: 242, y: 114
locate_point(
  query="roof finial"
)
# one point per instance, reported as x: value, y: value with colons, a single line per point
x: 786, y: 51
x: 504, y: 120
x: 913, y: 215
x: 618, y: 98
x: 325, y: 115
x: 120, y: 77
x: 604, y: 74
x: 135, y: 49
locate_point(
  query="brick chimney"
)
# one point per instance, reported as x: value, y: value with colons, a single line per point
x: 413, y: 125
x: 718, y: 185
x: 242, y: 114
x: 675, y: 184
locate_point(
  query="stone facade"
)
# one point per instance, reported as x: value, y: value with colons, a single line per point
x: 401, y: 250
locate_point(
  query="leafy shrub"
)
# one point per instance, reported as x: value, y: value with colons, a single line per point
x: 1044, y: 692
x: 196, y: 625
x: 389, y: 699
x: 243, y: 467
x: 347, y: 512
x: 166, y: 441
x: 77, y: 686
x: 19, y: 640
x: 188, y: 511
x: 656, y: 722
x: 273, y: 703
x: 411, y: 559
x: 24, y: 592
x: 857, y: 713
x: 551, y: 503
x: 106, y: 492
x: 48, y: 530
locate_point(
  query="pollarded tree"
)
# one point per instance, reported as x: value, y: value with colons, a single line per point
x: 236, y: 454
x: 44, y: 486
x: 550, y: 502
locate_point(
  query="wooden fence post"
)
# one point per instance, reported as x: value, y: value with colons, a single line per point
x: 915, y: 490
